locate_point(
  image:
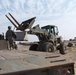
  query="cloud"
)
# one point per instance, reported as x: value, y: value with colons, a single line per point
x: 37, y: 7
x: 59, y: 12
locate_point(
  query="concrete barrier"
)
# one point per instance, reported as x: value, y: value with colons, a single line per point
x: 3, y: 45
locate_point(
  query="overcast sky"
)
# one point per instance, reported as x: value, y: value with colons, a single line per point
x: 61, y: 13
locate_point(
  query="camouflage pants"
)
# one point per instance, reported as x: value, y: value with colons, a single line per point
x: 10, y: 43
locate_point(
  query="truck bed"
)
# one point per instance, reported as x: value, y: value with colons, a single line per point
x: 24, y: 62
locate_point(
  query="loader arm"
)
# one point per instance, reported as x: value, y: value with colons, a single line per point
x: 40, y: 33
x: 24, y: 25
x: 18, y: 26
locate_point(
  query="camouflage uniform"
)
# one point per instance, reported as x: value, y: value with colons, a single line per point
x: 10, y: 38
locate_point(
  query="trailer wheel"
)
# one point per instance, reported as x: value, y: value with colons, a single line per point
x: 33, y: 47
x: 48, y: 47
x: 62, y: 48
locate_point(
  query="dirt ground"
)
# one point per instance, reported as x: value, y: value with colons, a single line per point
x: 70, y: 53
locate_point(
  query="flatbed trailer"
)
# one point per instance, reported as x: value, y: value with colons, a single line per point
x: 24, y: 62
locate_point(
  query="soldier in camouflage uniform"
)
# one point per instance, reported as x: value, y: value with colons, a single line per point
x: 10, y: 38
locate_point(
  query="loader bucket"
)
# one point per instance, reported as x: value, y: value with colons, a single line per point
x: 28, y: 23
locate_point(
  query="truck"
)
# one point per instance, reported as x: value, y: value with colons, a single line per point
x: 49, y: 40
x: 25, y: 62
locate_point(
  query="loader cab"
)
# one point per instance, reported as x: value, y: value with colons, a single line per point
x: 51, y: 29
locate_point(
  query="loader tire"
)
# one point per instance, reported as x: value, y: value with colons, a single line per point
x: 48, y: 47
x: 33, y: 47
x: 62, y: 48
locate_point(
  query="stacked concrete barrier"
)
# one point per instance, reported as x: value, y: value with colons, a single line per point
x: 3, y: 45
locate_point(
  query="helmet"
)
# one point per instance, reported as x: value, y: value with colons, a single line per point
x: 9, y: 27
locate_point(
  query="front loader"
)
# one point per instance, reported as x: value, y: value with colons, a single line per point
x: 49, y: 41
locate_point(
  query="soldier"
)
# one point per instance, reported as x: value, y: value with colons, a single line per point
x: 10, y: 38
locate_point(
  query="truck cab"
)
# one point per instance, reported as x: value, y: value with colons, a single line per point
x: 51, y: 29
